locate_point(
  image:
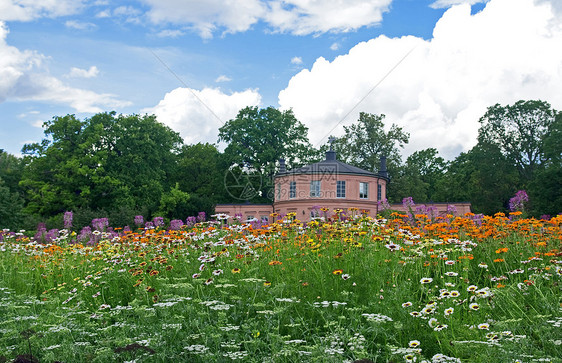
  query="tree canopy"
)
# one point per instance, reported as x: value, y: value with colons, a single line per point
x: 260, y: 137
x: 106, y: 161
x: 519, y: 131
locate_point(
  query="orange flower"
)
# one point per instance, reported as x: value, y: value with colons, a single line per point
x: 499, y: 260
x: 274, y: 262
x: 154, y: 273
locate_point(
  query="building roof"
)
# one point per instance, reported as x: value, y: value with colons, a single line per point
x: 330, y: 166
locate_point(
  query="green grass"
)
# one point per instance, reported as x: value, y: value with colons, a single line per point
x: 280, y: 297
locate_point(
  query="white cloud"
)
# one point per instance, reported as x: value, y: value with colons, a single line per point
x: 296, y: 60
x: 289, y: 16
x: 24, y: 79
x: 73, y: 24
x: 507, y: 52
x: 335, y: 46
x: 187, y: 111
x: 170, y: 33
x: 223, y: 78
x: 26, y: 10
x: 303, y: 17
x: 92, y: 72
x: 205, y: 16
x: 104, y: 14
x: 440, y: 4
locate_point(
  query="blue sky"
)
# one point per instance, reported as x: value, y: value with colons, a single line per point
x: 178, y: 59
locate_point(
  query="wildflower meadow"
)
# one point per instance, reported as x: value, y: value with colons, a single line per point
x: 405, y: 288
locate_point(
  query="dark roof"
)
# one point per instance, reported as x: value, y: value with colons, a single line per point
x: 331, y: 166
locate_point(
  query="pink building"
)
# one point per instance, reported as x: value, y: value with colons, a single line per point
x: 327, y: 184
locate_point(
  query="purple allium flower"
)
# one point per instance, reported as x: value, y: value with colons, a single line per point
x: 408, y: 202
x: 176, y: 224
x: 67, y: 220
x: 85, y: 235
x: 126, y: 229
x: 100, y: 224
x: 139, y: 220
x: 51, y: 235
x: 451, y: 209
x: 383, y: 204
x: 190, y: 221
x: 517, y: 203
x: 201, y: 217
x: 149, y: 225
x: 158, y: 221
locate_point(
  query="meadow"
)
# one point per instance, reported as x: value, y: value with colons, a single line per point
x: 406, y: 288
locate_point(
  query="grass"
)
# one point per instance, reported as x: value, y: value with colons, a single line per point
x: 398, y: 289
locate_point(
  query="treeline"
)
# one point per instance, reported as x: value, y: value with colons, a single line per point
x: 120, y: 166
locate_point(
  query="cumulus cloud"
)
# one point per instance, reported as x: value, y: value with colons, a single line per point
x: 73, y: 24
x: 93, y: 71
x: 440, y: 4
x: 507, y: 52
x: 223, y: 78
x: 170, y: 33
x: 205, y: 16
x: 296, y: 60
x: 26, y: 10
x: 23, y: 78
x: 197, y: 115
x: 299, y: 17
x: 303, y: 17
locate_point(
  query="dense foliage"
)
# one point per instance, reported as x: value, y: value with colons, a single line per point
x: 119, y: 166
x: 408, y: 288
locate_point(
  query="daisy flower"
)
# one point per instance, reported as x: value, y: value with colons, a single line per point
x: 449, y: 311
x: 345, y: 276
x: 474, y: 306
x: 483, y: 326
x: 414, y: 343
x: 406, y: 304
x: 433, y: 322
x: 426, y: 280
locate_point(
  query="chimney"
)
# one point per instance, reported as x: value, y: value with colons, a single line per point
x: 282, y: 167
x: 331, y: 154
x: 383, y: 172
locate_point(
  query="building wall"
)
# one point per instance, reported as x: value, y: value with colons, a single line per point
x: 247, y: 211
x: 328, y: 186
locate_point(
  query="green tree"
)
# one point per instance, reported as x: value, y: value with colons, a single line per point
x: 260, y: 137
x: 104, y: 162
x: 518, y: 131
x: 366, y: 140
x: 483, y: 176
x: 200, y: 170
x: 11, y: 206
x: 11, y: 170
x: 545, y: 190
x: 174, y: 204
x: 420, y: 175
